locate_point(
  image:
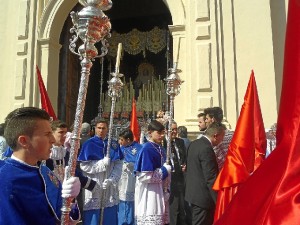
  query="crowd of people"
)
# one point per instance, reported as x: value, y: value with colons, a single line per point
x: 118, y: 183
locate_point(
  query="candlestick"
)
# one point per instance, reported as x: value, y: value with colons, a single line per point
x: 118, y: 57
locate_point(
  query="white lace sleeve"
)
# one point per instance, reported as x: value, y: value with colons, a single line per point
x: 116, y: 172
x: 93, y: 166
x: 150, y: 177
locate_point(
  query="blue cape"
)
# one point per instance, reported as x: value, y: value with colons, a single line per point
x: 28, y: 195
x: 149, y: 157
x: 131, y: 152
x: 95, y: 149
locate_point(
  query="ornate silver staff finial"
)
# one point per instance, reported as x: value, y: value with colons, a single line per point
x: 115, y: 86
x: 173, y: 89
x: 91, y: 25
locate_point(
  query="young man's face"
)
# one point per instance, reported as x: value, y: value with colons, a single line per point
x: 122, y: 141
x: 157, y: 136
x: 40, y: 143
x: 208, y: 120
x: 201, y: 123
x: 101, y: 130
x: 60, y: 136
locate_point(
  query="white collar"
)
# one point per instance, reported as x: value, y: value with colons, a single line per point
x: 21, y: 161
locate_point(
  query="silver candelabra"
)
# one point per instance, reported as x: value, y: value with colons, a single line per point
x: 90, y: 25
x: 115, y: 86
x: 173, y: 89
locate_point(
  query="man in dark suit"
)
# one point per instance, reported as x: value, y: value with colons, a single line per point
x: 202, y: 170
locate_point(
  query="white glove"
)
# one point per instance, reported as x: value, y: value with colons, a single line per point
x: 70, y: 187
x: 106, y: 161
x: 106, y: 183
x: 168, y: 167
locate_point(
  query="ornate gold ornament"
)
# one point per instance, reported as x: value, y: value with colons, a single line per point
x: 135, y: 41
x: 156, y: 40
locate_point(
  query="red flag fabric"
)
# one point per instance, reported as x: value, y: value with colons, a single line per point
x: 134, y: 124
x: 271, y: 196
x: 246, y: 150
x: 45, y: 101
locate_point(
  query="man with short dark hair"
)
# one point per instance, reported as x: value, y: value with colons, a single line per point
x: 29, y: 192
x: 202, y: 171
x: 58, y: 159
x: 201, y: 124
x: 106, y: 171
x: 215, y: 114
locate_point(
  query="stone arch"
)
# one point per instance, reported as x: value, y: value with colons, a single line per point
x: 48, y: 48
x: 54, y: 14
x: 177, y: 11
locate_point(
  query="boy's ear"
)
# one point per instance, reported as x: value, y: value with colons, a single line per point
x: 23, y: 141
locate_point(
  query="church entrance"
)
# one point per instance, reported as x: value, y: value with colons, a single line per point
x: 142, y: 28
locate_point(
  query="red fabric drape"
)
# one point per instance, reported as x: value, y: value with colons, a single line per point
x: 246, y: 150
x: 45, y: 101
x: 134, y: 124
x: 271, y: 196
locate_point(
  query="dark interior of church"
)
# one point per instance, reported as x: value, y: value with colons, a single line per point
x: 125, y: 16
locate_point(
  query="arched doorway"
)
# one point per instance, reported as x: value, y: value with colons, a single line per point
x: 126, y: 16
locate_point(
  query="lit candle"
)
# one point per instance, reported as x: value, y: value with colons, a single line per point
x: 118, y: 57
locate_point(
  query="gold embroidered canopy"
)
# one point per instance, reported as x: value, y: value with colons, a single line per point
x: 137, y: 41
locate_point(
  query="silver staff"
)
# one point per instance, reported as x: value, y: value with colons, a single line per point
x: 100, y: 109
x: 115, y: 86
x: 91, y: 25
x: 173, y: 89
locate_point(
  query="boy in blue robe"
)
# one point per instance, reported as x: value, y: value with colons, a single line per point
x: 130, y: 150
x: 30, y: 194
x: 106, y: 171
x: 152, y: 180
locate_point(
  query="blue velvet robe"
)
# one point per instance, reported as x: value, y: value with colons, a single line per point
x: 95, y: 148
x: 28, y: 195
x: 127, y: 181
x: 149, y: 158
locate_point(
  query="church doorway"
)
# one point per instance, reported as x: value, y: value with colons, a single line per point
x: 142, y: 27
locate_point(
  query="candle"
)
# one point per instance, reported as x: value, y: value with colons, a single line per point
x: 118, y: 57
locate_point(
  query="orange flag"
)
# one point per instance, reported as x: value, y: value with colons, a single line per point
x: 271, y: 196
x: 246, y: 150
x: 45, y: 101
x: 134, y: 124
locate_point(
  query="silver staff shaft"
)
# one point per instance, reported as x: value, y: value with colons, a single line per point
x: 170, y: 120
x: 75, y: 143
x: 115, y: 86
x: 110, y: 130
x: 100, y: 109
x: 91, y: 25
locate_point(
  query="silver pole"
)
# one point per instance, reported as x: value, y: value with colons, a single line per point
x: 91, y: 25
x: 173, y: 89
x: 115, y: 86
x: 100, y: 109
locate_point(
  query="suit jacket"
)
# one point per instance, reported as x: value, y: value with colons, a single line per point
x: 202, y: 170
